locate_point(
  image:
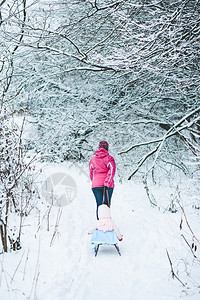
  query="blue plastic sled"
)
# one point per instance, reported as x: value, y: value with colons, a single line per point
x: 100, y: 237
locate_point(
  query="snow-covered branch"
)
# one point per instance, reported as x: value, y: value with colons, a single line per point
x: 172, y: 131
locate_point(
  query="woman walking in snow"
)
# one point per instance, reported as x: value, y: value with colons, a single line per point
x: 102, y: 170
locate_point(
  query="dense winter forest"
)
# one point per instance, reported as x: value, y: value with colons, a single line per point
x: 74, y: 72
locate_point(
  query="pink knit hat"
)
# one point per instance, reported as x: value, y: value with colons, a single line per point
x: 103, y: 144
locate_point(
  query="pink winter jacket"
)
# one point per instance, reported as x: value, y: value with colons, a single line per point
x: 102, y: 169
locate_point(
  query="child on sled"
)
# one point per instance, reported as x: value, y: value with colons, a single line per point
x: 105, y: 222
x: 105, y: 231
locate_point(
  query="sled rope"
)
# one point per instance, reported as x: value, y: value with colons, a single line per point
x: 104, y: 195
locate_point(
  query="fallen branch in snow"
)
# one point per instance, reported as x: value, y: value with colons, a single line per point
x: 172, y: 270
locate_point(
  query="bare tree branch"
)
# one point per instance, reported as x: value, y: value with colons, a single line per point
x: 1, y: 4
x: 22, y: 29
x: 193, y: 235
x: 189, y: 246
x: 143, y: 160
x: 172, y: 270
x: 168, y: 134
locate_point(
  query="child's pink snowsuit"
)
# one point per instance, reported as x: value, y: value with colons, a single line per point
x: 102, y: 169
x: 105, y: 222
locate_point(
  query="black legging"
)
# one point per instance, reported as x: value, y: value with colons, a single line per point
x: 102, y: 196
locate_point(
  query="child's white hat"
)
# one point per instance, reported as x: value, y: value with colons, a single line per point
x: 104, y: 211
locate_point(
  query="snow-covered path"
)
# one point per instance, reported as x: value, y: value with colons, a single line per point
x: 68, y: 269
x: 142, y: 272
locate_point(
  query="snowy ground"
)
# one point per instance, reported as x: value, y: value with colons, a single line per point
x: 59, y: 264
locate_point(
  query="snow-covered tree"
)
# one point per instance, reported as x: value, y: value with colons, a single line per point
x: 126, y: 71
